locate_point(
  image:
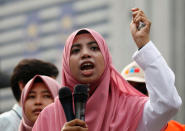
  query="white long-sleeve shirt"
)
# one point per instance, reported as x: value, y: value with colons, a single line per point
x: 164, y: 100
x: 9, y: 121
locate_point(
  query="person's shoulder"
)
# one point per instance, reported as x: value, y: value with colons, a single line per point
x: 5, y: 119
x: 8, y: 116
x: 5, y: 115
x: 9, y: 121
x: 136, y: 97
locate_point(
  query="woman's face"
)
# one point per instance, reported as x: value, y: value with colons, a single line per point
x: 86, y: 60
x: 38, y: 97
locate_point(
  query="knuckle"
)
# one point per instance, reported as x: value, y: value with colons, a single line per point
x: 149, y: 22
x: 64, y: 129
x: 79, y: 128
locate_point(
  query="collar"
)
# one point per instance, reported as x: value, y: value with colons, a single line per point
x: 18, y: 110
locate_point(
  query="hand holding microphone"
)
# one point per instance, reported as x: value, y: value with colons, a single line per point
x: 80, y: 99
x: 75, y: 125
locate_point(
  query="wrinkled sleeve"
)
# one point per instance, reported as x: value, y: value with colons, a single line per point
x: 164, y: 100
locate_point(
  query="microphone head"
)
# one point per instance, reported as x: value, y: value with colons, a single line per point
x: 65, y: 94
x: 65, y: 97
x: 81, y: 93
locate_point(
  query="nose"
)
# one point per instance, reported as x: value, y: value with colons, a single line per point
x: 38, y: 101
x: 85, y: 53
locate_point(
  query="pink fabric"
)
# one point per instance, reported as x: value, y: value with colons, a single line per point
x: 53, y: 87
x: 114, y: 106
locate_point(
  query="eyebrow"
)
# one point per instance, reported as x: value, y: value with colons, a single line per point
x: 75, y: 45
x: 78, y: 44
x: 31, y: 92
x: 44, y: 91
x: 92, y: 42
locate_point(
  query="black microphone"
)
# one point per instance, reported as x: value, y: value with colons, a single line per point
x: 65, y: 97
x: 80, y: 99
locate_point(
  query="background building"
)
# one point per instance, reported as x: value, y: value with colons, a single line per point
x: 38, y: 28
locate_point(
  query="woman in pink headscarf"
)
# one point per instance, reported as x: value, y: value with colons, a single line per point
x: 39, y: 92
x: 113, y: 105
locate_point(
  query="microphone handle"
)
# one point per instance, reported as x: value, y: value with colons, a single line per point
x: 141, y: 25
x: 68, y: 110
x: 80, y: 110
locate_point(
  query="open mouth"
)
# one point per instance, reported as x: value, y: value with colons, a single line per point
x: 87, y: 66
x: 87, y: 69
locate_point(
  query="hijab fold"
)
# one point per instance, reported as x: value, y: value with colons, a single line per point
x: 113, y: 106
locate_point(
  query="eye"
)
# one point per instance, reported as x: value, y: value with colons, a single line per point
x: 95, y: 48
x: 47, y: 96
x: 75, y: 50
x: 31, y: 97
